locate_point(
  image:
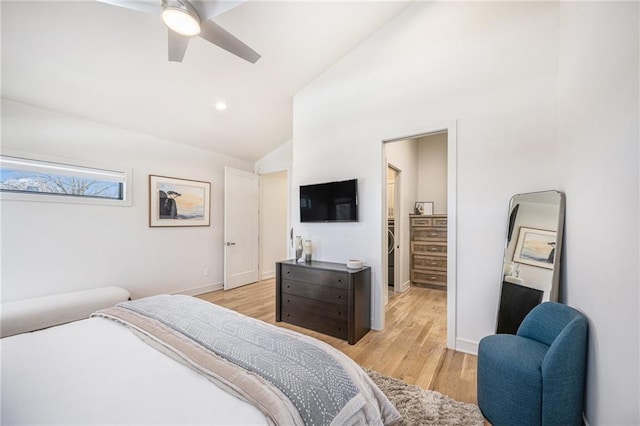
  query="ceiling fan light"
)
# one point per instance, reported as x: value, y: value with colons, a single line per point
x: 181, y: 21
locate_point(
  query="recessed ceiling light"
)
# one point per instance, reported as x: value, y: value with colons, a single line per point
x: 221, y: 106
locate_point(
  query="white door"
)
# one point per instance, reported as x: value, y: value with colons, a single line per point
x: 240, y: 228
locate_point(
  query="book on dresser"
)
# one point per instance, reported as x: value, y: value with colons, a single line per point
x: 325, y: 297
x: 429, y: 250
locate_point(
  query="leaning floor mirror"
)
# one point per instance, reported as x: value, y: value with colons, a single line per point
x: 531, y: 267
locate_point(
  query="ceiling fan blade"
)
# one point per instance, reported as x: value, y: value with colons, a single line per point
x: 151, y: 6
x: 217, y: 35
x: 208, y: 9
x: 177, y: 46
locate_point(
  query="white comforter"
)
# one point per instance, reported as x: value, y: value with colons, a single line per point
x: 96, y: 371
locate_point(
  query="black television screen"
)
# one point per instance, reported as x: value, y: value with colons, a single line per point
x: 329, y: 202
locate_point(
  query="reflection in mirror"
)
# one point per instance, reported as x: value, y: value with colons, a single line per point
x: 531, y: 266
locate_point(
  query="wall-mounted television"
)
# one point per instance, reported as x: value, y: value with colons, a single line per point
x: 329, y: 202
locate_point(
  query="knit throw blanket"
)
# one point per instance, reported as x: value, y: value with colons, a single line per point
x: 324, y: 387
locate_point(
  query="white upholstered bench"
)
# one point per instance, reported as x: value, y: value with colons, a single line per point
x: 41, y: 312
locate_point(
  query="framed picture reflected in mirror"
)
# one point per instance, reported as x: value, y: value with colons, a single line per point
x: 535, y: 247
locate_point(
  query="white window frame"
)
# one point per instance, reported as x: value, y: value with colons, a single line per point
x: 127, y: 190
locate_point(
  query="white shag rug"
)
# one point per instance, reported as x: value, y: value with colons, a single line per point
x: 425, y: 407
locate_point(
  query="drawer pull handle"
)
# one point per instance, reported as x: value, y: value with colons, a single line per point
x: 288, y: 301
x: 288, y: 286
x: 288, y: 272
x: 434, y: 263
x: 433, y: 234
x: 432, y: 278
x: 433, y: 249
x: 288, y: 315
x: 339, y: 297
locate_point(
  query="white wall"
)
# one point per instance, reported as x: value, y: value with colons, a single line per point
x: 274, y: 206
x: 277, y: 160
x: 546, y: 97
x: 493, y: 68
x: 432, y: 171
x: 598, y: 137
x: 404, y: 155
x: 50, y: 248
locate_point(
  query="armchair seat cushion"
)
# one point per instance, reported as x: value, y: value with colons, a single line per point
x: 496, y: 371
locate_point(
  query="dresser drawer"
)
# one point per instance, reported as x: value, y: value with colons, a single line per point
x: 334, y: 311
x: 440, y: 221
x: 429, y: 277
x: 319, y: 277
x: 429, y: 234
x: 421, y: 221
x: 430, y: 262
x: 433, y: 249
x: 318, y: 323
x: 316, y: 292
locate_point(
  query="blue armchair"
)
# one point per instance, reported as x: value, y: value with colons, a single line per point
x: 535, y: 377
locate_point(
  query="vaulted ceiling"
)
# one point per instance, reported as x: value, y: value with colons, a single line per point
x: 109, y: 64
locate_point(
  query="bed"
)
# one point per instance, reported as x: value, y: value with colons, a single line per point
x: 179, y: 360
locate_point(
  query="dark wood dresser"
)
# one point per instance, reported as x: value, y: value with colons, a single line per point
x: 326, y: 297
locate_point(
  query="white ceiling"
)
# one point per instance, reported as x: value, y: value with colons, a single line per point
x: 109, y: 64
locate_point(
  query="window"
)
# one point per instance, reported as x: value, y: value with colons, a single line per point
x: 39, y: 180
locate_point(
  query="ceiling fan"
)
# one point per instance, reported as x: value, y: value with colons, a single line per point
x: 189, y: 18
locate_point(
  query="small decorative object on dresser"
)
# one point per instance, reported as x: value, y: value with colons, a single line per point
x: 308, y: 248
x: 424, y: 207
x: 326, y: 297
x: 299, y: 249
x: 429, y: 250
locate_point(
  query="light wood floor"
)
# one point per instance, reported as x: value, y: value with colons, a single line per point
x: 412, y: 346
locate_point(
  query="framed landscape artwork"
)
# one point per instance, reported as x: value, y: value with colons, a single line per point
x: 178, y: 202
x: 535, y: 247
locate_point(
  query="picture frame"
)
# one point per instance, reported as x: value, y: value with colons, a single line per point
x: 178, y: 202
x: 424, y: 208
x: 535, y: 247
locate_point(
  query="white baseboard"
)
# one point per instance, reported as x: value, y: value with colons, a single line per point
x: 405, y: 286
x: 467, y: 346
x: 267, y: 275
x: 201, y: 290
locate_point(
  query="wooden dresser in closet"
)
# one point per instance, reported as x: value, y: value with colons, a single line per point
x: 429, y: 250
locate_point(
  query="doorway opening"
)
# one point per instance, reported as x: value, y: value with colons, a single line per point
x: 274, y: 221
x: 424, y: 216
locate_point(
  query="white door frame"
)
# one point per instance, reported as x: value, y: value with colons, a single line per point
x: 397, y: 284
x: 398, y: 222
x: 452, y: 219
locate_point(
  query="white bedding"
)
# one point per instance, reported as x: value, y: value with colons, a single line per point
x: 96, y: 371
